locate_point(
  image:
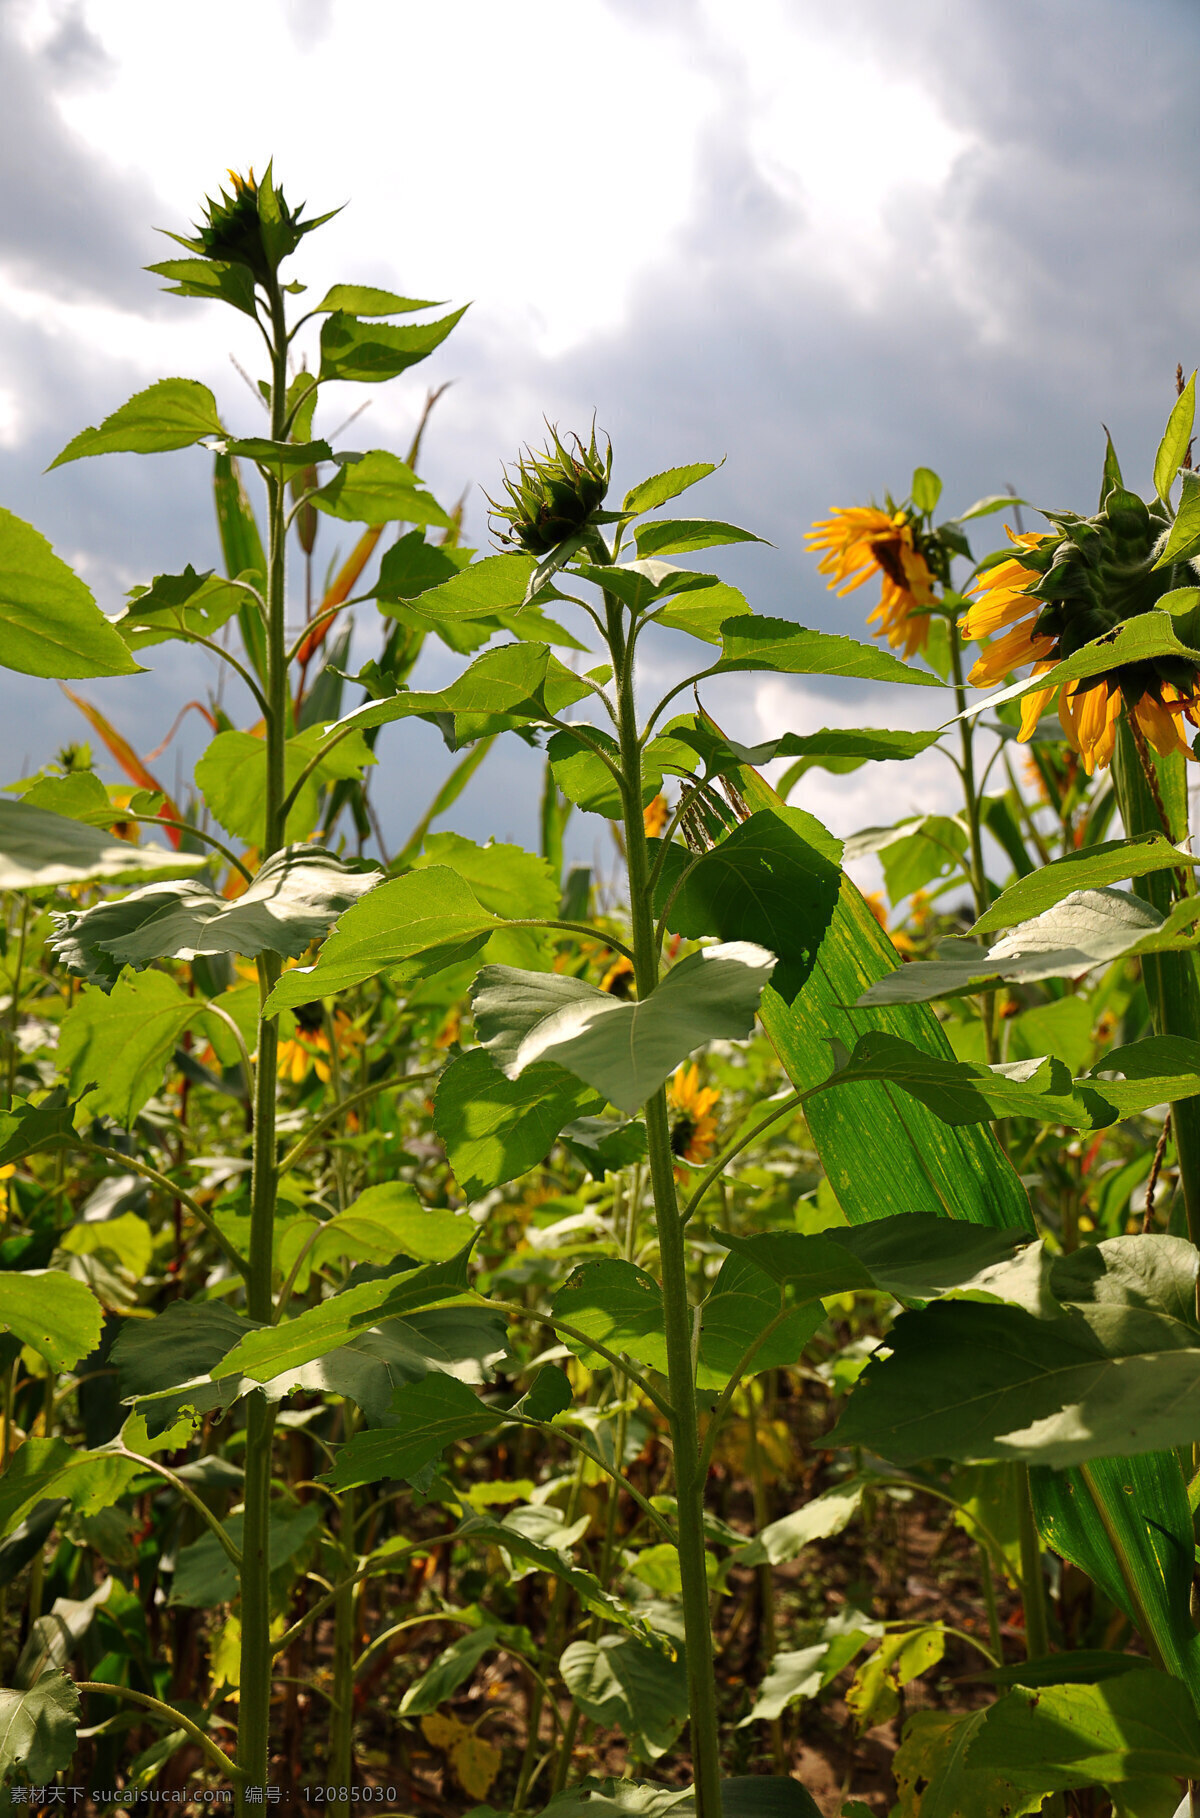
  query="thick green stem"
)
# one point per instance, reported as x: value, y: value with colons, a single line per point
x: 677, y: 1312
x: 254, y: 1710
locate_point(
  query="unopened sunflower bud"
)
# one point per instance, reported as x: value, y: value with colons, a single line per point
x: 553, y: 494
x: 253, y: 227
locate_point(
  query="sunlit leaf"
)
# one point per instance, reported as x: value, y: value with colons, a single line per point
x: 50, y: 622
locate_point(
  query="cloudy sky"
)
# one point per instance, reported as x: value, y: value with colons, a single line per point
x: 827, y: 244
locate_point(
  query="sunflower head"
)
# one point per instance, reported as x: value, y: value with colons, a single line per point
x: 858, y: 542
x: 253, y: 226
x: 693, y: 1122
x: 1066, y: 588
x: 553, y: 493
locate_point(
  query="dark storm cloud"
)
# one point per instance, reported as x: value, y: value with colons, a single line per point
x: 70, y: 225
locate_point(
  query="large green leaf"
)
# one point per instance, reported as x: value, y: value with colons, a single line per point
x: 269, y: 1353
x: 934, y: 1776
x: 495, y: 584
x: 365, y: 300
x: 52, y: 1312
x: 206, y: 1576
x: 1172, y: 450
x: 978, y: 1381
x: 1065, y: 1736
x: 766, y: 876
x: 883, y: 1152
x: 452, y: 1668
x: 232, y: 773
x: 550, y: 1559
x: 172, y: 413
x: 1089, y: 928
x: 369, y: 352
x: 379, y: 489
x: 50, y: 622
x: 37, y: 1729
x: 621, y: 1683
x: 432, y: 914
x: 495, y: 1128
x: 430, y: 1415
x: 1160, y: 1069
x: 293, y: 900
x: 119, y: 1042
x: 41, y: 851
x: 649, y: 494
x: 1136, y: 640
x: 914, y: 1256
x: 625, y: 1050
x: 677, y: 536
x: 25, y: 1129
x: 507, y: 880
x: 791, y: 649
x: 514, y: 685
x: 177, y: 604
x: 1088, y: 869
x: 1143, y: 1507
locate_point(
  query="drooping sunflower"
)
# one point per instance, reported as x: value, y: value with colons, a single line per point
x: 1067, y: 587
x: 861, y: 541
x: 693, y: 1125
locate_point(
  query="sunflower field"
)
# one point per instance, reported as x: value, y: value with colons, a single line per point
x: 478, y: 1336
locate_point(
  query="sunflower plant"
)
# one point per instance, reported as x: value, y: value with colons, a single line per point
x: 352, y: 1200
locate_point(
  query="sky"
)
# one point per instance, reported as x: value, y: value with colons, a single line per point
x: 826, y: 245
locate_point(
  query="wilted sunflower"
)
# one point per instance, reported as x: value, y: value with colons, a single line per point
x: 861, y: 541
x: 1068, y: 587
x: 693, y: 1127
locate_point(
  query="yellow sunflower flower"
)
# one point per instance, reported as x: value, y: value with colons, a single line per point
x: 656, y: 815
x: 861, y: 541
x: 693, y: 1127
x: 618, y: 981
x: 1089, y: 710
x: 309, y: 1048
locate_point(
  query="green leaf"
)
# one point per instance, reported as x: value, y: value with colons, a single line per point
x: 1088, y: 869
x: 549, y: 1559
x: 1183, y: 544
x: 283, y: 458
x: 1158, y: 1070
x: 511, y: 686
x: 119, y: 1042
x: 51, y: 624
x: 172, y: 413
x: 32, y: 1471
x: 1172, y: 450
x: 834, y: 748
x: 412, y: 567
x: 647, y: 495
x: 821, y: 1519
x: 621, y: 1683
x: 1143, y: 1510
x: 430, y: 1415
x: 767, y: 876
x: 206, y: 1576
x: 174, y: 604
x: 510, y: 882
x: 1136, y: 640
x: 232, y: 773
x: 979, y: 1381
x: 899, y: 1659
x: 293, y: 1342
x: 625, y: 1050
x: 914, y: 852
x: 451, y: 1669
x: 913, y: 1256
x: 387, y: 1221
x: 379, y: 489
x: 790, y: 649
x: 1061, y: 1737
x: 210, y: 279
x: 363, y: 300
x: 37, y: 1729
x: 25, y: 1128
x: 882, y: 1155
x: 496, y: 1129
x: 676, y: 536
x: 51, y: 1312
x: 641, y: 585
x: 1089, y: 928
x: 987, y: 507
x: 702, y: 614
x: 42, y: 851
x: 368, y: 352
x: 926, y: 489
x: 734, y: 1318
x: 934, y: 1775
x: 604, y: 1147
x: 293, y: 900
x: 430, y: 913
x: 493, y: 585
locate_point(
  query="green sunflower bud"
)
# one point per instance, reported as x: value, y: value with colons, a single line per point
x: 253, y: 227
x: 553, y: 494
